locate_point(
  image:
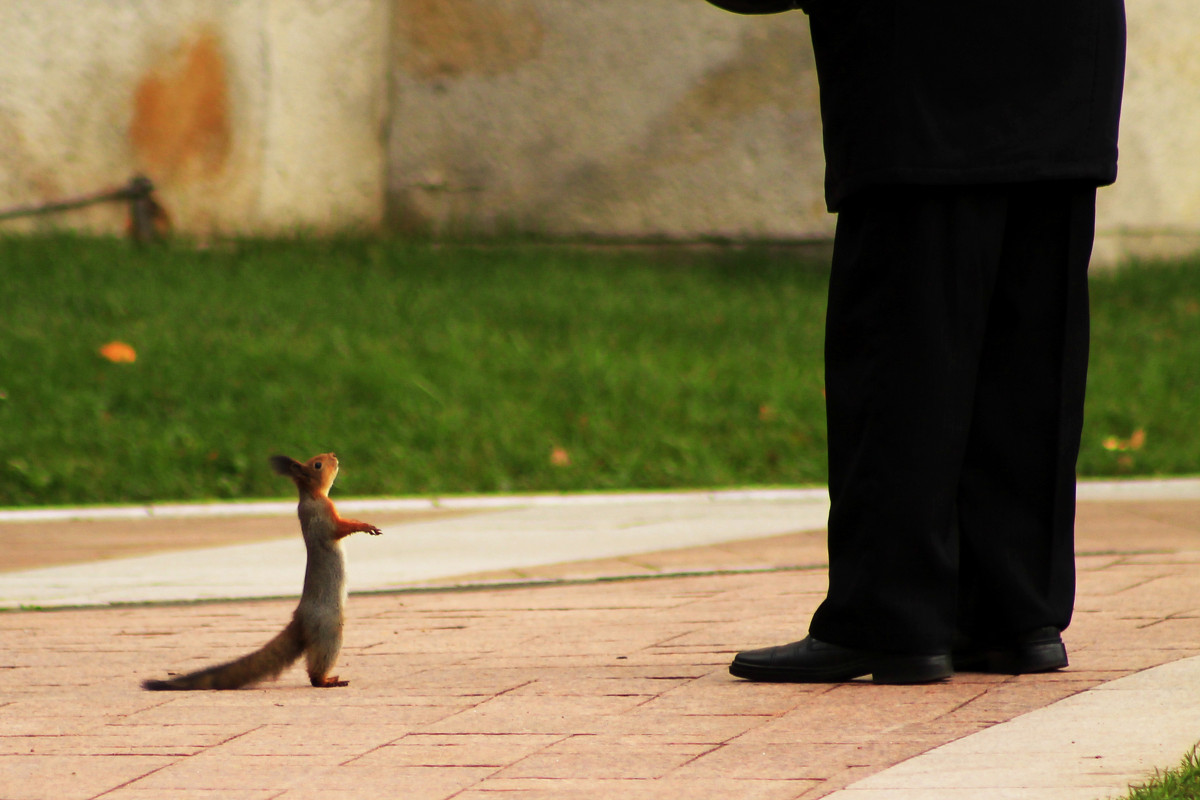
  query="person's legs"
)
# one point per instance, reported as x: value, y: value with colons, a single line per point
x: 911, y: 285
x: 1016, y: 500
x: 956, y: 357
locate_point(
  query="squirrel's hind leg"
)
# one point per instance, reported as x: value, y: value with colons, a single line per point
x: 321, y: 657
x: 328, y: 682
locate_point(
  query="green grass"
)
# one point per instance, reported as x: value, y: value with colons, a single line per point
x: 436, y: 369
x: 1145, y: 372
x: 1181, y: 783
x: 428, y: 369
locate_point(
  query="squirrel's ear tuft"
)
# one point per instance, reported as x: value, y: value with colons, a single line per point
x: 284, y: 465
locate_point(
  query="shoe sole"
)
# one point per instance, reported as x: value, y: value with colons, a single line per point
x: 882, y: 669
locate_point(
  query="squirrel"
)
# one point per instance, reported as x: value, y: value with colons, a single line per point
x: 316, y: 626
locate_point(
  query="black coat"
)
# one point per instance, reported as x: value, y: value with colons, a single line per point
x: 962, y: 92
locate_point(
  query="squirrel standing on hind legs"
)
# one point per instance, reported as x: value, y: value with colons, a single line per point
x: 316, y: 626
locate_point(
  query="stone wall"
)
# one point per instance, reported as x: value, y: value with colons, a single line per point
x: 1154, y: 208
x: 250, y: 115
x: 664, y: 120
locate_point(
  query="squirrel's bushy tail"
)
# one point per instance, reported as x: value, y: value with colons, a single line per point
x: 266, y: 662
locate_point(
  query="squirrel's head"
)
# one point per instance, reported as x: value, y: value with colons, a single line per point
x: 315, y: 474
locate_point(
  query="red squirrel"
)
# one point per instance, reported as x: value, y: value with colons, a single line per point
x: 316, y: 626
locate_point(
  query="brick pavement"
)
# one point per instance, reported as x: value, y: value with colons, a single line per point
x: 593, y: 689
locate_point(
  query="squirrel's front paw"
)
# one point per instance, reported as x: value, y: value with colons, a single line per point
x: 374, y: 531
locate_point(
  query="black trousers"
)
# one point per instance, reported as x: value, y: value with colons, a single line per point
x: 956, y: 365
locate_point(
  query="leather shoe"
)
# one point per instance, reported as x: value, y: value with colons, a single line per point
x: 813, y: 661
x: 1039, y: 650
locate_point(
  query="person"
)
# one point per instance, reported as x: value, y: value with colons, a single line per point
x: 964, y: 144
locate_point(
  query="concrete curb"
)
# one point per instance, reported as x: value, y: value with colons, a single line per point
x: 1076, y: 749
x: 387, y: 505
x: 1089, y: 490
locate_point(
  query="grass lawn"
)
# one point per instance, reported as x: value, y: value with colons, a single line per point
x: 435, y: 369
x: 1143, y: 412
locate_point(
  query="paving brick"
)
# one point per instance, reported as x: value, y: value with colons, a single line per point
x: 357, y: 782
x: 607, y: 690
x: 216, y: 770
x: 67, y: 777
x: 135, y: 793
x: 712, y: 729
x: 637, y: 789
x: 337, y: 743
x: 456, y: 750
x: 606, y: 761
x: 780, y: 761
x: 117, y: 740
x: 533, y: 714
x: 946, y: 793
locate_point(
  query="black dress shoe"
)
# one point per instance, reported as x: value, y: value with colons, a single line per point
x: 814, y: 661
x: 1040, y: 650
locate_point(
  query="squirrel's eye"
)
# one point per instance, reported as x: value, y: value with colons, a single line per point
x: 317, y: 465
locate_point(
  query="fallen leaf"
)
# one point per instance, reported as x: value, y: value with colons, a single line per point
x: 559, y: 457
x: 119, y: 353
x: 1135, y: 441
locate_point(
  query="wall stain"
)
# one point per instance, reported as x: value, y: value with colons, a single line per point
x: 24, y: 177
x: 452, y: 38
x: 180, y: 129
x: 773, y: 69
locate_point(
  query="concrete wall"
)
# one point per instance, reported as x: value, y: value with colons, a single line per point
x: 249, y: 115
x: 1154, y: 208
x: 668, y: 119
x: 662, y: 119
